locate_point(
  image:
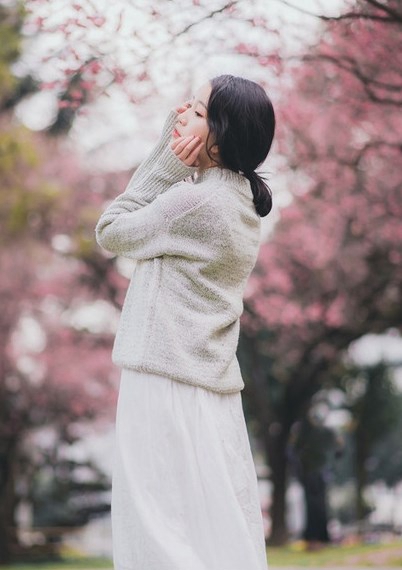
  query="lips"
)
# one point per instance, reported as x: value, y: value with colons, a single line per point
x: 176, y: 133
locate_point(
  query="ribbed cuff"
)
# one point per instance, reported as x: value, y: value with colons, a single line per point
x: 167, y: 161
x: 172, y: 168
x: 168, y: 127
x: 162, y: 168
x: 167, y: 130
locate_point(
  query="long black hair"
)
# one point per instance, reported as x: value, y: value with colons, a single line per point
x: 241, y: 123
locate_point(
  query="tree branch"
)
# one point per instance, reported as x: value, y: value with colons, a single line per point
x: 349, y: 64
x: 392, y: 17
x: 369, y: 83
x: 394, y: 14
x: 207, y: 17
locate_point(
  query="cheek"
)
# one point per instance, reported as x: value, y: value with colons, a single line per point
x: 205, y: 134
x: 200, y: 132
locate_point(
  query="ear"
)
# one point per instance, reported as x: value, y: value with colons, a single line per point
x: 214, y: 150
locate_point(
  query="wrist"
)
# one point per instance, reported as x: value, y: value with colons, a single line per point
x: 172, y: 167
x: 168, y: 127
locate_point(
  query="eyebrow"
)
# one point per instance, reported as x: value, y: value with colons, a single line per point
x: 198, y: 101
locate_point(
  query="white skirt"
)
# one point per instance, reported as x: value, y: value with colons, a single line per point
x: 184, y: 490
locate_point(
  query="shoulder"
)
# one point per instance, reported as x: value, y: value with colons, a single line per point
x: 232, y: 195
x: 182, y: 198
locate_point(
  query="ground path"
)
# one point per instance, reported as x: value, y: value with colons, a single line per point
x: 329, y: 568
x: 310, y: 568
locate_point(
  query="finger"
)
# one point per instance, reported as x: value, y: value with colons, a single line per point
x: 176, y: 142
x: 188, y: 148
x: 179, y: 145
x: 183, y: 107
x: 191, y: 159
x: 189, y: 145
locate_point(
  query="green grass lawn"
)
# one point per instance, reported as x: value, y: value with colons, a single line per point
x: 370, y: 555
x: 363, y: 555
x: 67, y: 564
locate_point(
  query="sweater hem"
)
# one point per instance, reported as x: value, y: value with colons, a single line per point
x: 154, y: 370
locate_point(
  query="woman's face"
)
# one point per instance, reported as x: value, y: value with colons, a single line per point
x: 193, y: 121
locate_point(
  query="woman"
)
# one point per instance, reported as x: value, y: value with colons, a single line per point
x: 184, y: 490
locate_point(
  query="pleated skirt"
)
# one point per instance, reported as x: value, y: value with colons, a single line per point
x: 184, y: 488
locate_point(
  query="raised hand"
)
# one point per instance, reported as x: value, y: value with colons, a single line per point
x: 187, y: 149
x: 183, y: 107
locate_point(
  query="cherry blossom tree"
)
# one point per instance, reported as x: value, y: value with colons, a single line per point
x: 55, y: 372
x: 143, y: 48
x: 332, y: 270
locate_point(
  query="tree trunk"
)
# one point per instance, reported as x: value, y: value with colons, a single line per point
x: 361, y: 476
x: 316, y: 506
x: 275, y: 445
x: 8, y: 536
x: 271, y: 432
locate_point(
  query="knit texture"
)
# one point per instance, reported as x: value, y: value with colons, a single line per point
x: 195, y: 243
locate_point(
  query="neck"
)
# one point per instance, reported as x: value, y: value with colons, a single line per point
x: 220, y: 174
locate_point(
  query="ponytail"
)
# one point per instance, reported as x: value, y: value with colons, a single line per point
x: 261, y: 193
x: 241, y: 123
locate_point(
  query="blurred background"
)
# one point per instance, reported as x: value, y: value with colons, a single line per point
x: 85, y: 87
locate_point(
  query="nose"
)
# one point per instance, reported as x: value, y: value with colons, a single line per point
x: 183, y: 116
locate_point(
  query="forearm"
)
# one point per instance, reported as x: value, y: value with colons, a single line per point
x: 154, y: 176
x: 148, y: 163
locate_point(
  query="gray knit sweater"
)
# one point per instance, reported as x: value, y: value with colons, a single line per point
x: 195, y: 244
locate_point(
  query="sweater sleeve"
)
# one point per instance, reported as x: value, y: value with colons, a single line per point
x: 156, y: 174
x: 166, y: 226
